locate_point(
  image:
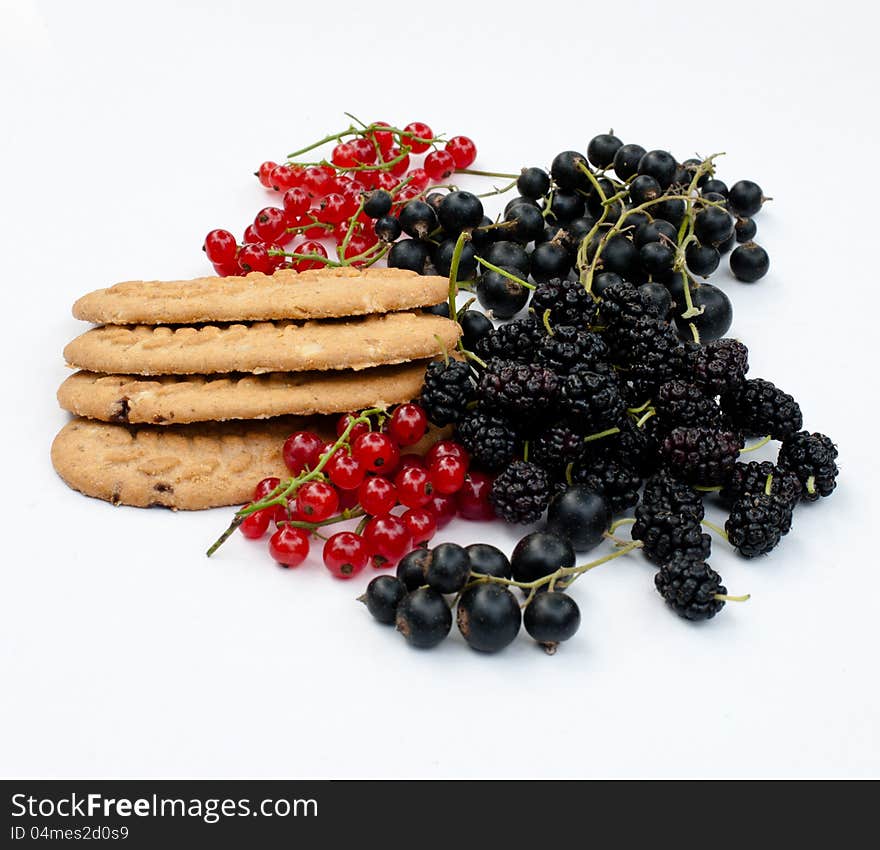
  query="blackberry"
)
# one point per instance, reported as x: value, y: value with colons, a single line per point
x: 679, y: 403
x: 569, y: 348
x: 516, y: 340
x: 666, y: 534
x: 689, y: 586
x: 448, y: 388
x: 651, y: 354
x: 719, y: 366
x: 665, y: 492
x: 811, y: 457
x: 700, y: 455
x: 521, y: 493
x: 756, y: 524
x: 759, y: 407
x: 750, y: 479
x: 619, y: 301
x: 521, y: 390
x: 567, y: 300
x: 489, y: 437
x: 614, y: 480
x: 557, y: 446
x: 594, y: 400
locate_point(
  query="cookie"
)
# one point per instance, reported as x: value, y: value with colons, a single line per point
x: 320, y: 294
x: 175, y: 399
x: 184, y: 467
x: 263, y: 347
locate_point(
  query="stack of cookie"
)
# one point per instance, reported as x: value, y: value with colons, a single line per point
x: 188, y: 389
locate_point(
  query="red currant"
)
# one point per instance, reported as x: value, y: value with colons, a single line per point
x: 473, y: 497
x: 254, y: 257
x: 439, y: 165
x: 367, y: 179
x: 364, y: 151
x: 264, y: 173
x: 302, y: 450
x: 265, y: 487
x: 250, y: 236
x: 309, y: 247
x: 343, y: 155
x: 332, y: 209
x: 463, y: 151
x: 419, y: 138
x: 346, y: 554
x: 220, y: 247
x: 447, y: 447
x: 407, y: 424
x: 254, y: 525
x: 447, y: 474
x: 289, y: 546
x: 377, y: 495
x: 317, y: 180
x: 317, y: 501
x: 414, y: 488
x: 296, y: 203
x: 384, y: 139
x: 401, y: 165
x: 227, y: 269
x: 388, y: 540
x: 284, y: 177
x: 348, y: 499
x: 376, y: 453
x: 422, y: 524
x: 443, y: 508
x: 386, y: 180
x: 357, y: 246
x: 269, y: 223
x: 342, y: 424
x: 418, y: 179
x: 345, y: 471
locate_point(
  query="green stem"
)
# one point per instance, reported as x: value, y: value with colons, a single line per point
x: 598, y: 436
x: 478, y: 173
x: 726, y: 597
x: 703, y: 489
x: 340, y: 250
x: 498, y: 191
x: 619, y: 522
x: 463, y: 238
x: 811, y: 485
x: 760, y: 444
x: 716, y: 528
x: 504, y: 273
x: 347, y: 514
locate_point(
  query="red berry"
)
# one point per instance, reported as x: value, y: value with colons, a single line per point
x: 254, y: 525
x: 265, y: 487
x: 420, y: 136
x: 283, y: 513
x: 348, y: 499
x: 422, y: 524
x: 264, y: 173
x: 384, y: 139
x: 254, y: 257
x: 376, y: 453
x: 357, y: 246
x: 463, y: 151
x: 388, y: 540
x: 443, y: 508
x: 364, y: 151
x: 407, y: 193
x: 407, y: 424
x: 250, y: 236
x: 377, y: 495
x: 220, y: 247
x: 418, y: 179
x: 473, y: 498
x: 227, y: 269
x: 367, y: 180
x: 332, y: 209
x: 447, y: 474
x: 447, y: 447
x: 269, y: 223
x: 401, y: 165
x: 317, y: 180
x: 346, y: 554
x: 342, y: 424
x: 345, y: 471
x: 317, y: 501
x: 309, y: 247
x: 386, y: 180
x: 343, y: 155
x: 414, y: 488
x: 284, y: 177
x: 296, y: 203
x: 439, y: 165
x: 302, y: 450
x: 289, y: 546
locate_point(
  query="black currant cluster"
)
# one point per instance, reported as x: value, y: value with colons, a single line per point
x: 480, y: 580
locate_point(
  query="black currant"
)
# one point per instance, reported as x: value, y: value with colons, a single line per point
x: 701, y: 259
x: 510, y: 255
x: 441, y: 309
x: 485, y: 234
x: 637, y: 219
x: 578, y: 228
x: 474, y: 326
x: 602, y: 281
x: 500, y: 295
x: 745, y: 198
x: 716, y: 317
x: 488, y: 560
x: 383, y: 596
x: 660, y: 165
x: 551, y: 618
x: 656, y: 299
x: 564, y: 206
x: 388, y: 228
x: 550, y: 260
x: 566, y: 170
x: 448, y: 569
x: 540, y: 553
x: 459, y: 211
x: 418, y: 219
x: 411, y: 569
x: 441, y: 256
x: 718, y: 187
x: 728, y: 244
x: 488, y: 617
x: 595, y: 205
x: 525, y: 223
x: 423, y: 617
x: 580, y: 516
x: 377, y: 203
x: 434, y: 199
x: 549, y: 233
x: 657, y: 259
x: 671, y: 210
x: 519, y: 199
x: 533, y: 183
x: 601, y: 149
x: 713, y: 225
x: 409, y: 254
x: 746, y: 229
x: 644, y: 188
x: 626, y: 160
x: 621, y: 255
x: 749, y: 262
x: 655, y: 231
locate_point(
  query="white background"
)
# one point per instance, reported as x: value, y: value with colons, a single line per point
x: 129, y: 130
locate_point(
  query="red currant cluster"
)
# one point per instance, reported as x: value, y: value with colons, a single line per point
x: 365, y: 474
x: 323, y: 202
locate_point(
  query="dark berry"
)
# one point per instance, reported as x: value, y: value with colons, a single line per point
x: 515, y: 202
x: 488, y: 617
x: 657, y: 259
x: 621, y: 255
x: 689, y: 586
x: 411, y: 569
x: 521, y: 493
x: 664, y: 491
x: 550, y: 261
x: 612, y: 478
x: 551, y: 618
x: 656, y: 231
x: 701, y: 455
x: 517, y: 340
x: 489, y: 437
x: 713, y: 225
x: 447, y: 390
x: 660, y: 165
x: 567, y: 300
x: 745, y: 198
x: 579, y: 515
x: 448, y: 568
x: 525, y: 223
x: 510, y: 255
x: 593, y: 398
x: 812, y: 458
x: 423, y: 618
x: 411, y: 254
x: 377, y: 203
x: 602, y: 148
x: 570, y: 349
x: 557, y: 446
x: 418, y: 219
x: 520, y: 390
x: 701, y: 260
x: 488, y: 560
x: 665, y: 534
x: 717, y: 315
x: 499, y: 295
x: 388, y: 228
x: 603, y: 281
x: 474, y: 326
x: 757, y: 477
x: 644, y: 188
x: 459, y: 211
x: 679, y: 403
x: 566, y: 170
x: 533, y: 183
x: 540, y: 553
x: 670, y: 210
x: 656, y: 299
x: 441, y: 256
x: 758, y: 407
x: 627, y: 159
x: 383, y: 596
x: 565, y: 206
x: 441, y: 309
x: 746, y: 229
x: 757, y: 523
x: 715, y: 186
x: 719, y: 365
x: 749, y: 262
